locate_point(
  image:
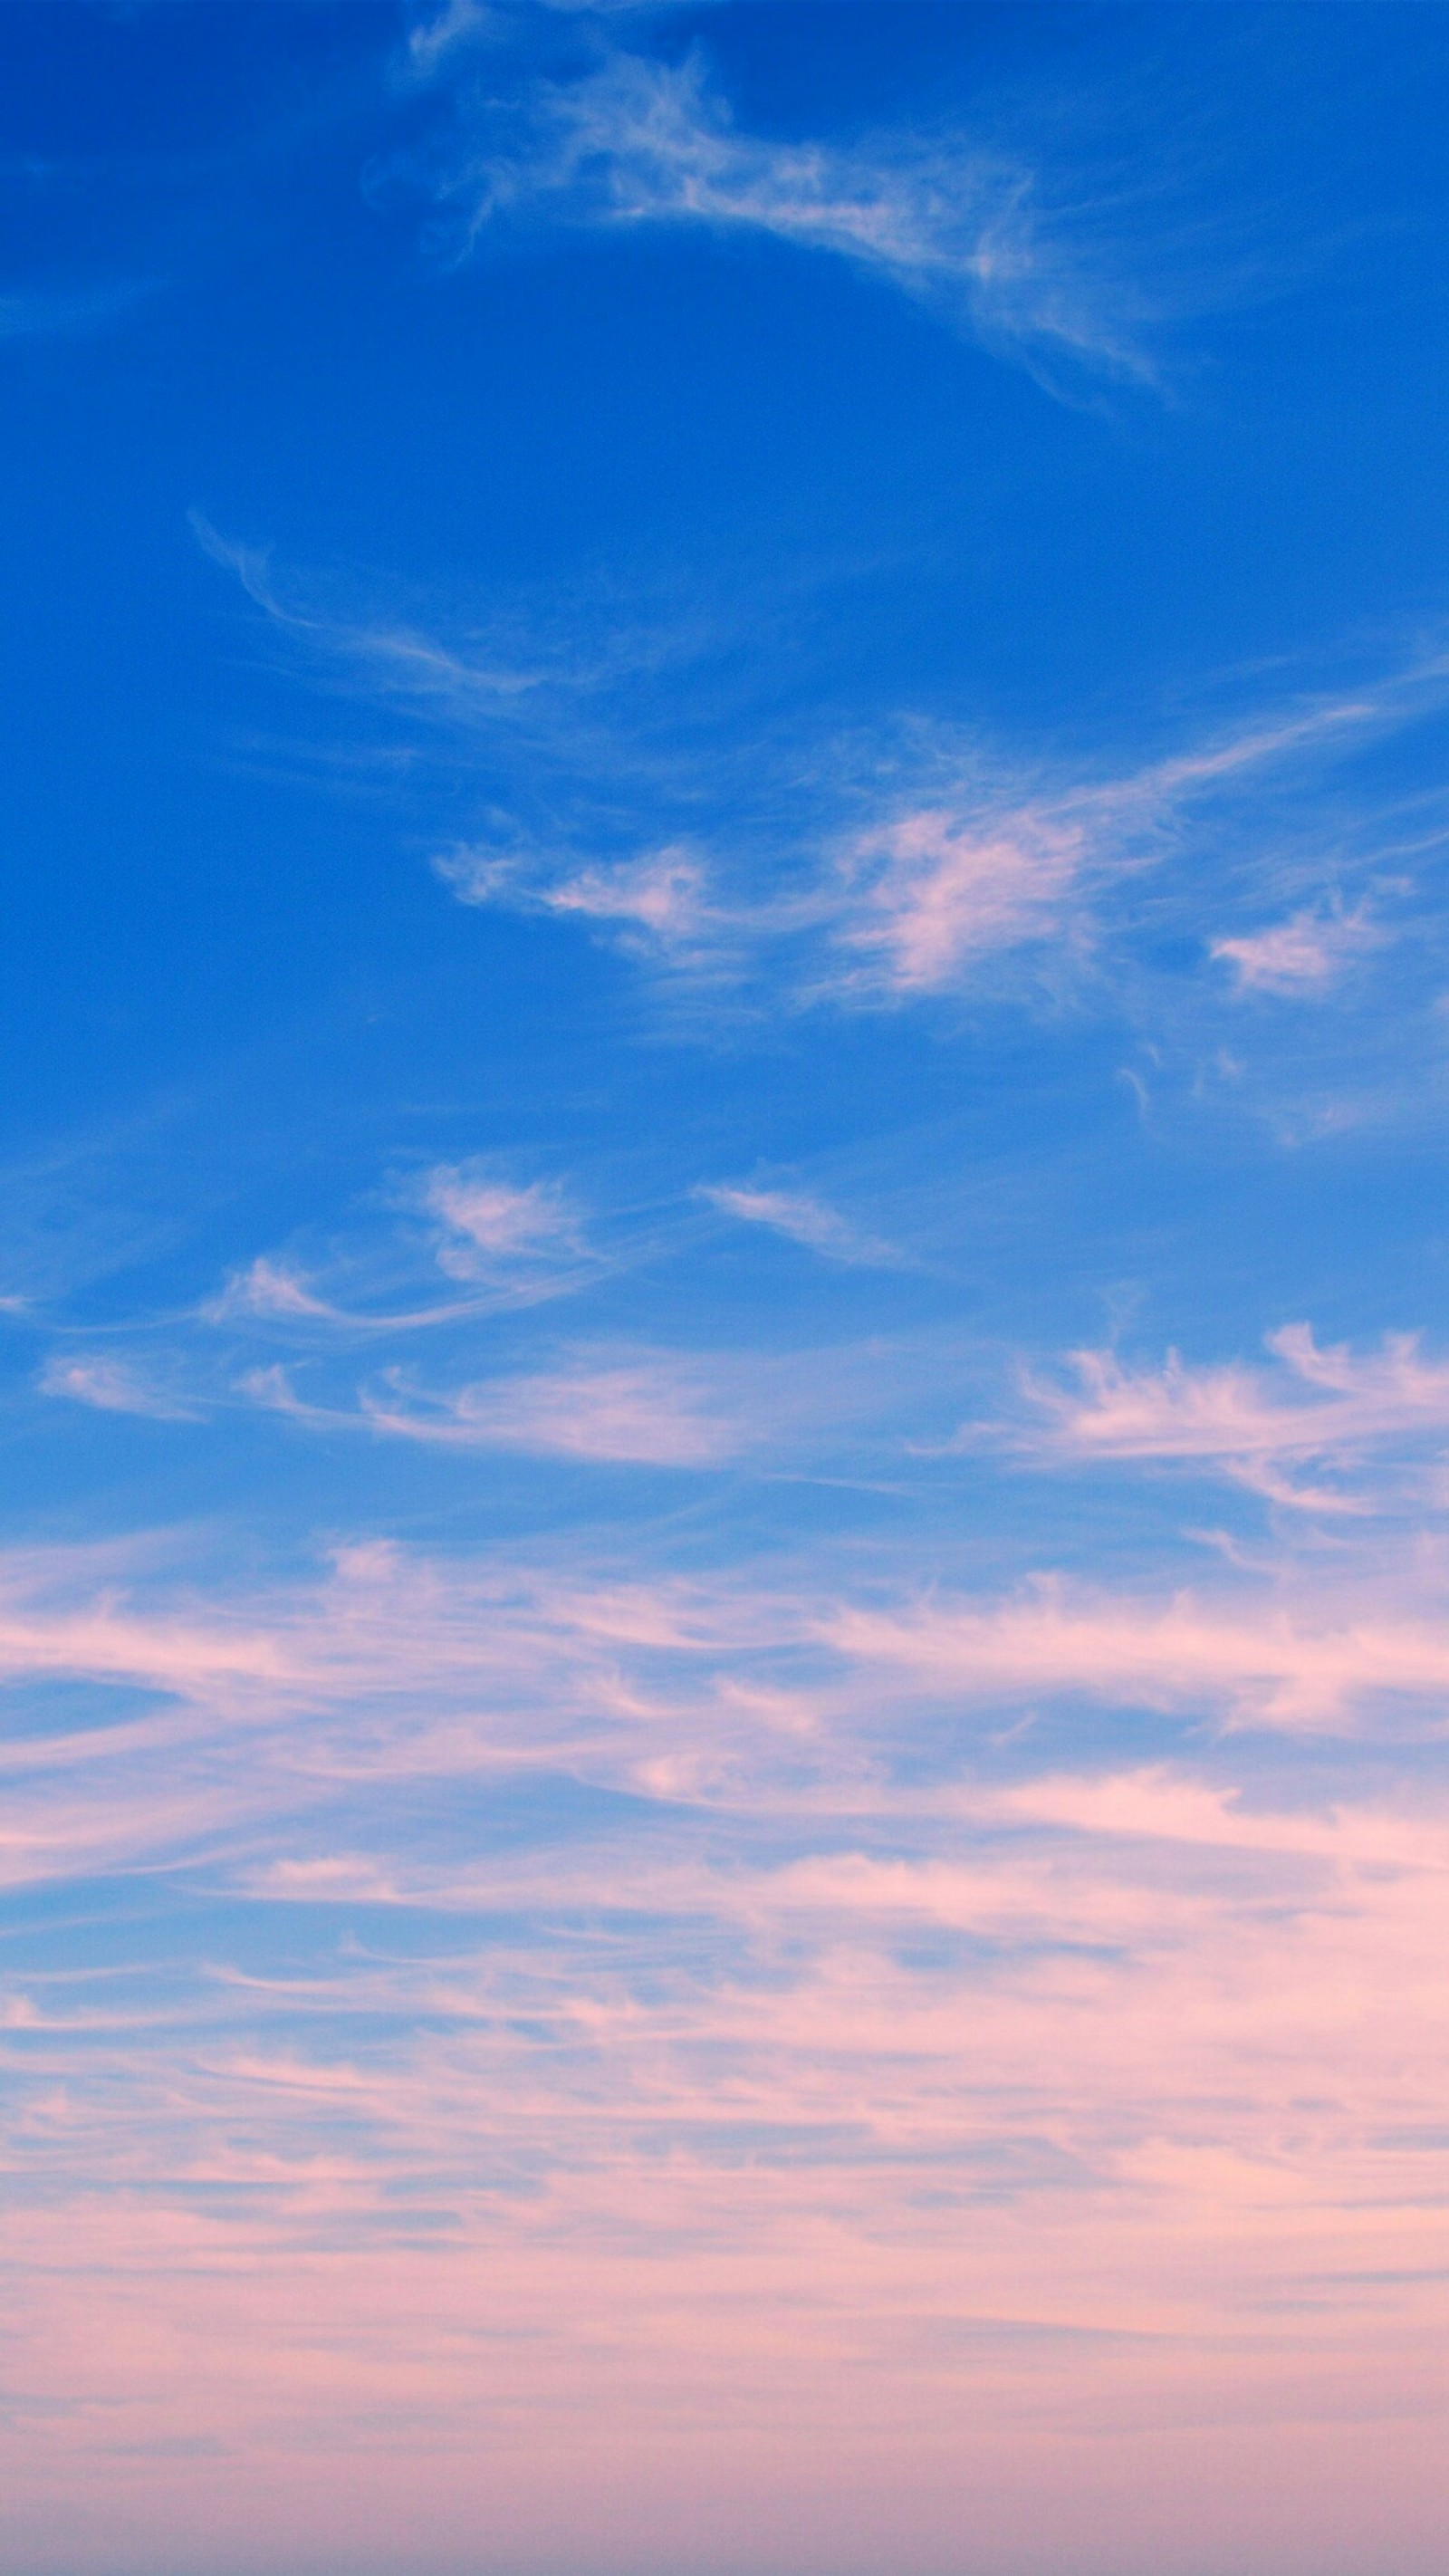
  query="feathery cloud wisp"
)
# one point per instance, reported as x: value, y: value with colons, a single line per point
x: 649, y: 1412
x: 948, y: 221
x: 933, y: 892
x: 1330, y: 1406
x: 802, y: 1219
x: 663, y: 895
x: 111, y: 1387
x: 489, y: 1222
x: 1306, y: 955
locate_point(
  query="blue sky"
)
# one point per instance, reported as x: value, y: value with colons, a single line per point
x: 725, y: 1392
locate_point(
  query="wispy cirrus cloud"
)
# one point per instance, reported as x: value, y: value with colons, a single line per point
x: 922, y: 897
x: 507, y: 1243
x: 272, y: 1292
x: 411, y: 665
x: 268, y: 1288
x: 864, y: 873
x: 662, y: 898
x: 958, y: 224
x: 1330, y: 1408
x: 812, y: 1412
x: 490, y: 1222
x: 970, y: 868
x: 783, y: 1676
x: 1308, y: 954
x: 928, y: 895
x: 1279, y: 1668
x: 801, y: 1219
x: 111, y: 1386
x: 650, y: 1410
x: 442, y: 33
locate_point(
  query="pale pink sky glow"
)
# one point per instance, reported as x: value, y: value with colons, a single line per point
x: 1180, y: 2053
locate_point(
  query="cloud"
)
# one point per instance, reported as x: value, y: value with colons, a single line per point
x: 1306, y: 955
x: 873, y: 874
x: 461, y: 22
x: 663, y: 894
x: 948, y: 221
x: 111, y: 1386
x: 465, y: 23
x: 490, y: 1223
x: 406, y: 663
x: 267, y: 1288
x: 967, y: 867
x: 802, y: 1219
x: 1329, y: 1406
x: 651, y: 1412
x: 452, y: 2039
x: 1331, y: 1647
x: 512, y: 1245
x: 1277, y: 1670
x: 269, y: 1292
x: 933, y: 892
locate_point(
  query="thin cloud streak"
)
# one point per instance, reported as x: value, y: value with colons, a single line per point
x: 801, y: 1219
x: 1308, y: 954
x: 957, y: 225
x: 652, y: 1412
x: 1323, y: 1405
x: 110, y: 1386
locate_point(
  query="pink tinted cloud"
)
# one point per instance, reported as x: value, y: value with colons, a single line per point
x: 488, y: 1220
x: 1314, y: 1665
x: 647, y: 1412
x: 1307, y: 955
x: 111, y: 1386
x: 802, y: 1218
x: 1327, y: 1404
x: 945, y: 883
x: 937, y: 890
x: 663, y: 896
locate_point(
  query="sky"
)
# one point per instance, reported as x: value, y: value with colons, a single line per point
x: 723, y: 1361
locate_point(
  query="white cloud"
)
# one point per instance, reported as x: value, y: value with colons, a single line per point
x: 1320, y: 1668
x: 969, y: 868
x: 490, y: 1222
x: 268, y: 1289
x: 1305, y: 955
x: 957, y: 864
x: 934, y: 891
x: 397, y: 659
x: 465, y: 23
x: 663, y: 894
x: 269, y: 1292
x: 460, y: 23
x: 803, y: 1219
x: 1329, y: 1406
x: 642, y: 142
x: 648, y: 1412
x: 111, y: 1387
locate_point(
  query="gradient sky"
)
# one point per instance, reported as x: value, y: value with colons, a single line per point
x: 726, y: 1385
